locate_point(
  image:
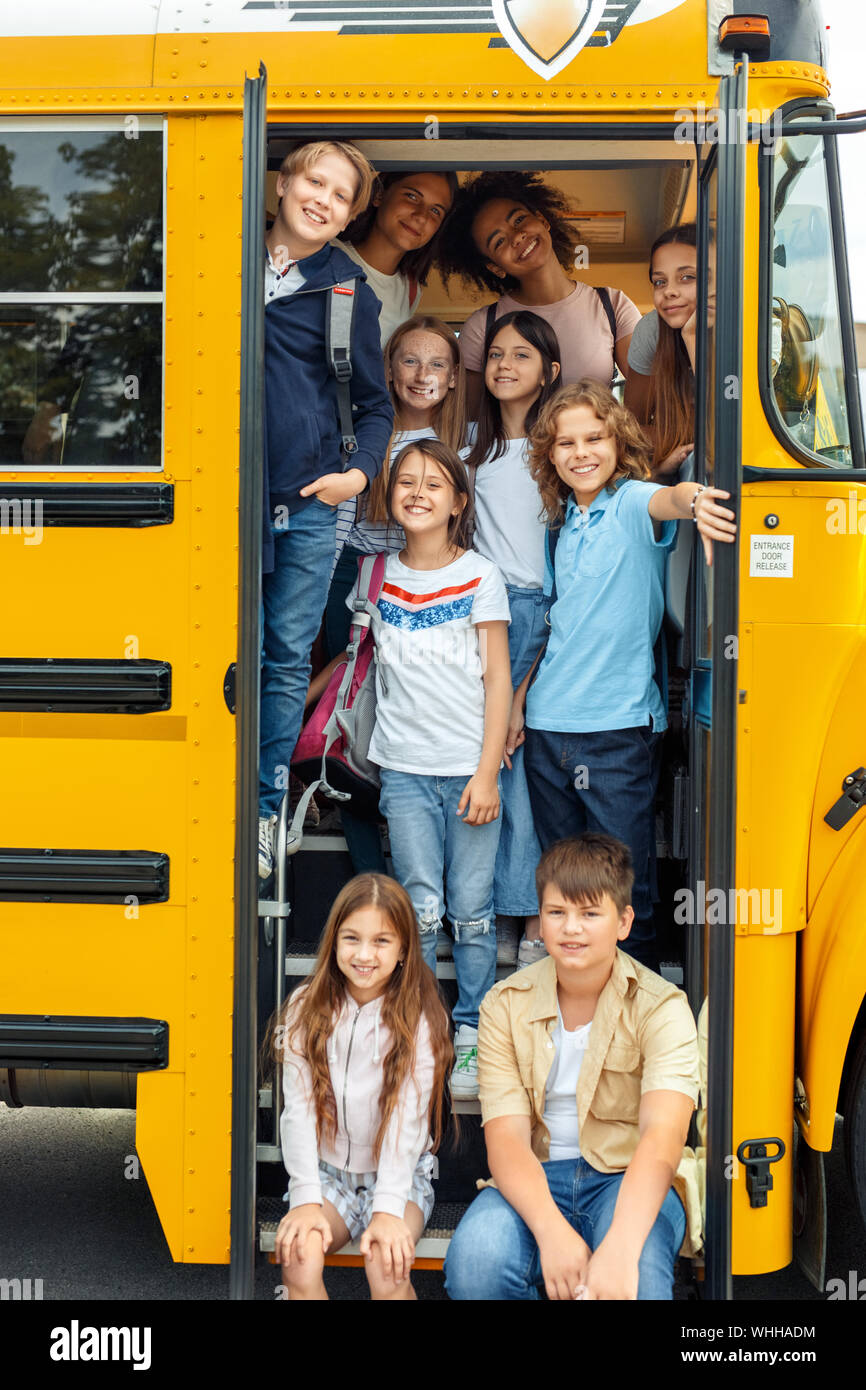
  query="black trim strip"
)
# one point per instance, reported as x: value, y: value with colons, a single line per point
x: 813, y: 462
x: 250, y: 507
x: 57, y: 685
x: 95, y: 504
x: 481, y: 130
x: 753, y: 474
x: 86, y: 1043
x: 721, y: 857
x: 83, y: 876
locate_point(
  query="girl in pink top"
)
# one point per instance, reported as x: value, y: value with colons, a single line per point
x: 366, y: 1050
x: 509, y: 233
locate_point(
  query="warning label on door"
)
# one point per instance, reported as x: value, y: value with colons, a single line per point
x: 772, y: 557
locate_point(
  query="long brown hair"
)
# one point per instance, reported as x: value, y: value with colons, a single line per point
x: 461, y: 526
x: 307, y: 1019
x: 490, y: 442
x: 672, y: 384
x: 413, y: 264
x: 449, y: 416
x: 632, y: 453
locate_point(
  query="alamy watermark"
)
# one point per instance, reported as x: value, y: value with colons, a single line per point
x: 709, y: 126
x: 716, y: 907
x: 22, y: 516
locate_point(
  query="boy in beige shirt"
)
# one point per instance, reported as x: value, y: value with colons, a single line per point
x: 588, y: 1072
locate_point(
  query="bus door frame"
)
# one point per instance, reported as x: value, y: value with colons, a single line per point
x: 247, y: 684
x: 715, y: 807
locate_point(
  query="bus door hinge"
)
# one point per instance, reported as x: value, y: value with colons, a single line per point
x: 229, y: 682
x: 752, y: 1153
x: 852, y: 798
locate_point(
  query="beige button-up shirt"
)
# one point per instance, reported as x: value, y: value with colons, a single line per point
x: 642, y: 1039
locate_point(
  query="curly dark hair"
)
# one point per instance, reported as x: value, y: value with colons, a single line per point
x: 458, y: 254
x: 419, y: 262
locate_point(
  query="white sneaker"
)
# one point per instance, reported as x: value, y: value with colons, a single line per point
x: 464, y: 1077
x: 528, y: 952
x: 507, y: 938
x: 267, y: 825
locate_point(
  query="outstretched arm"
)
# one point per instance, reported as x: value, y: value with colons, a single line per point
x: 690, y: 501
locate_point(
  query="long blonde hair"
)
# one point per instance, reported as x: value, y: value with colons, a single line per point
x: 632, y: 450
x: 448, y: 422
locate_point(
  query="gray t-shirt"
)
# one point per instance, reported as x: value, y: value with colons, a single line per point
x: 644, y: 341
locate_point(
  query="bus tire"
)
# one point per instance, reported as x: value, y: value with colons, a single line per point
x: 854, y: 1133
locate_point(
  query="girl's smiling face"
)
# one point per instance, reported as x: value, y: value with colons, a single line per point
x: 422, y: 497
x: 413, y: 209
x: 514, y: 371
x: 422, y: 373
x: 512, y: 239
x: 583, y: 452
x: 368, y: 951
x: 674, y: 279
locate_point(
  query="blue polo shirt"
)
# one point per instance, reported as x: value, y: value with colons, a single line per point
x: 597, y: 671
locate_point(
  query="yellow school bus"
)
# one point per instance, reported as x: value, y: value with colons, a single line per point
x: 138, y: 145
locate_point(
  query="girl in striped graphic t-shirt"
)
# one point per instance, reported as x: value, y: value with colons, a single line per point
x: 443, y: 688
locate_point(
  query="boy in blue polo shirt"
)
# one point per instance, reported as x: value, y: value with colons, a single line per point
x: 321, y: 187
x: 594, y: 714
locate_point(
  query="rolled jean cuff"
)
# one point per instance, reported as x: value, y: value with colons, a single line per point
x: 466, y: 931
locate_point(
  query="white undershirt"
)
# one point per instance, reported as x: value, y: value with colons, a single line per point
x: 560, y: 1093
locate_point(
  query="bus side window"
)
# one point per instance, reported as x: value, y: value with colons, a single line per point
x: 806, y: 354
x: 82, y: 281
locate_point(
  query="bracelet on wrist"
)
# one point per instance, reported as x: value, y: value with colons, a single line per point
x: 695, y: 497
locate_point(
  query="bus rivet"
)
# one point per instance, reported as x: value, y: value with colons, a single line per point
x: 771, y: 521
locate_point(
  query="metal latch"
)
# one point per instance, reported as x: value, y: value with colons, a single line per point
x: 752, y: 1153
x: 852, y: 798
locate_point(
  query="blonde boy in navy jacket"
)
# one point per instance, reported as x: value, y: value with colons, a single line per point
x: 321, y: 186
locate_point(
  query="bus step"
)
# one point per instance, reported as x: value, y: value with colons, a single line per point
x: 301, y: 961
x: 266, y: 1100
x: 429, y: 1252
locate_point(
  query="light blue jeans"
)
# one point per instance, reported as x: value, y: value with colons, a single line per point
x: 293, y: 597
x: 494, y: 1255
x: 519, y: 851
x: 431, y: 846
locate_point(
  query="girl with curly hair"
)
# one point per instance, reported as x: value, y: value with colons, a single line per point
x: 594, y: 715
x: 509, y: 233
x: 366, y: 1051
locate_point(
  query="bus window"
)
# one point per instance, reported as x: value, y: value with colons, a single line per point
x: 81, y: 295
x: 805, y: 346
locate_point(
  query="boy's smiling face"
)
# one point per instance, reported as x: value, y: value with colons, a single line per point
x: 317, y: 203
x: 582, y: 937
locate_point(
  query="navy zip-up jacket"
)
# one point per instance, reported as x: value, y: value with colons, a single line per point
x: 302, y: 419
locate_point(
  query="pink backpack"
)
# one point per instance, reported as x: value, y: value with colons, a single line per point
x: 332, y: 752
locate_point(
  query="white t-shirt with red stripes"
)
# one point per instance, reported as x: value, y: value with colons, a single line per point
x: 429, y: 672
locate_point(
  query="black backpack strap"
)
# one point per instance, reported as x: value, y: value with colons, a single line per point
x: 489, y: 321
x: 551, y: 541
x: 338, y: 346
x: 604, y: 296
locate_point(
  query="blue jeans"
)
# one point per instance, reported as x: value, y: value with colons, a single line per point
x: 494, y: 1255
x: 519, y: 851
x: 432, y: 845
x: 293, y: 598
x: 603, y: 781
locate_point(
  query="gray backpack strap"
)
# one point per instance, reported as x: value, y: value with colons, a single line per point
x: 338, y: 345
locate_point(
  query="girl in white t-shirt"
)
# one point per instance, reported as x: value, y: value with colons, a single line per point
x: 521, y: 371
x: 443, y: 690
x: 395, y: 239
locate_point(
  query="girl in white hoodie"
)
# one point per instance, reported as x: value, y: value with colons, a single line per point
x: 365, y: 1047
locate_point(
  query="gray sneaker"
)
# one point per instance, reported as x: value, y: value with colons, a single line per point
x: 528, y: 952
x: 464, y: 1077
x: 507, y: 938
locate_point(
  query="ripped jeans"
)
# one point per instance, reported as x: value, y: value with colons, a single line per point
x: 432, y: 846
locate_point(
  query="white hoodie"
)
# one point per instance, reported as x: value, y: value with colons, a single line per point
x: 357, y: 1048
